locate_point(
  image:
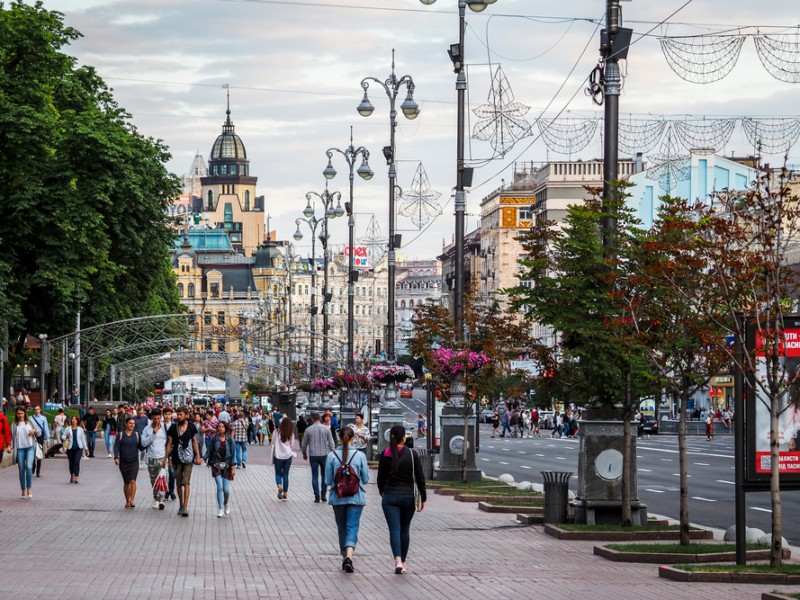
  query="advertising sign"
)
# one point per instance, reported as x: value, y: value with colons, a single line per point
x: 360, y: 256
x: 757, y: 407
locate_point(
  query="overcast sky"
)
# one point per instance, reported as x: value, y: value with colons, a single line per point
x: 294, y: 69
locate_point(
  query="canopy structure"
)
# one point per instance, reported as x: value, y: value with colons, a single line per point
x: 202, y: 384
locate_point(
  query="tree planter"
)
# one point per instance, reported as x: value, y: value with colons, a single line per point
x: 672, y: 557
x: 677, y: 574
x: 632, y: 535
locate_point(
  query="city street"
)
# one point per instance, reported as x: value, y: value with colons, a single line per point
x: 711, y: 473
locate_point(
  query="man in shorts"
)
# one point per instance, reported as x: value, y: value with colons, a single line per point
x: 182, y: 435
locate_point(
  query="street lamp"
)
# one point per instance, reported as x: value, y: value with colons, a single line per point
x: 365, y: 172
x: 328, y: 212
x: 410, y: 109
x: 463, y: 174
x: 43, y: 360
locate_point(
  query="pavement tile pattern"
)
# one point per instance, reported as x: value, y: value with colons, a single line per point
x: 78, y: 541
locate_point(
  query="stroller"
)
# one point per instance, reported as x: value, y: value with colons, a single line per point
x: 53, y: 450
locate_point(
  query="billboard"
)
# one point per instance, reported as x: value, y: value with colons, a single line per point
x: 757, y: 414
x: 360, y: 256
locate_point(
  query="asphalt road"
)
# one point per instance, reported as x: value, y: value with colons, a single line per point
x: 711, y: 473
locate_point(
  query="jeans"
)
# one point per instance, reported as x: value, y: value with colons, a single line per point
x: 74, y: 458
x: 282, y: 466
x: 317, y: 464
x: 109, y: 441
x: 505, y: 428
x: 91, y: 439
x: 25, y: 458
x: 348, y: 517
x: 171, y: 480
x: 241, y: 453
x: 153, y: 469
x: 223, y: 491
x: 399, y: 509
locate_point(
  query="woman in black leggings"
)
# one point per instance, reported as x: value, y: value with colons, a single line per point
x: 75, y: 442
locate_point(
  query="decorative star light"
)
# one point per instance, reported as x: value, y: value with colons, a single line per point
x: 420, y: 203
x: 502, y: 121
x: 670, y: 167
x: 374, y: 241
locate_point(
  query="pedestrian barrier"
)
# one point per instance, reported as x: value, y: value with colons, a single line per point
x: 556, y: 495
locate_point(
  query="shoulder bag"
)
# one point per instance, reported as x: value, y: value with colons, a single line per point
x: 417, y: 496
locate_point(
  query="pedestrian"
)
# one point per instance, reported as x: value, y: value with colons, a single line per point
x: 154, y: 440
x: 23, y: 438
x: 302, y: 425
x: 317, y: 444
x: 361, y: 432
x: 167, y: 422
x: 197, y: 419
x: 184, y: 452
x: 60, y: 421
x: 239, y: 434
x: 347, y: 509
x: 126, y: 457
x: 43, y: 438
x: 399, y: 470
x: 220, y: 454
x: 91, y: 423
x: 535, y: 423
x: 5, y: 433
x: 709, y: 426
x: 110, y: 431
x: 282, y: 455
x: 505, y: 421
x: 495, y: 423
x: 74, y: 440
x: 141, y: 422
x: 422, y: 426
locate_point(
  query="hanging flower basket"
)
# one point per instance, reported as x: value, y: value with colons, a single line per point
x: 321, y: 385
x: 450, y: 362
x: 390, y: 373
x: 358, y: 381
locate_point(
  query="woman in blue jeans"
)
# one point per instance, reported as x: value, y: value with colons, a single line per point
x: 221, y: 457
x: 398, y: 468
x: 347, y: 509
x: 23, y: 438
x: 282, y: 455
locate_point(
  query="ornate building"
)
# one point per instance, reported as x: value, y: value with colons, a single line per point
x: 417, y: 282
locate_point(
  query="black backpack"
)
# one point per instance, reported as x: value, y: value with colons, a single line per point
x: 345, y: 481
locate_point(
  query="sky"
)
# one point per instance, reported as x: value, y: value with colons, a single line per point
x: 294, y: 69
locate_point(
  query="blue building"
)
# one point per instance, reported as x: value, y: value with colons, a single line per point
x: 693, y: 177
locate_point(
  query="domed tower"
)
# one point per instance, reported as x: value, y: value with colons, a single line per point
x: 229, y: 192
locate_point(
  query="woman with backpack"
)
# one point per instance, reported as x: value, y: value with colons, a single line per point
x: 347, y: 474
x: 126, y: 456
x: 399, y: 470
x: 282, y: 455
x: 221, y: 457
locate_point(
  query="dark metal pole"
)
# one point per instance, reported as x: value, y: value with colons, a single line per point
x: 391, y: 256
x: 312, y: 352
x: 612, y: 88
x: 460, y: 203
x: 325, y: 286
x: 739, y: 446
x: 351, y: 221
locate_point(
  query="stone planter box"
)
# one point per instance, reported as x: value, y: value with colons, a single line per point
x: 505, y: 499
x: 670, y: 557
x: 625, y: 536
x: 674, y: 574
x: 493, y: 508
x: 455, y: 491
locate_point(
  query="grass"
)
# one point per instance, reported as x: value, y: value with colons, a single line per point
x: 787, y: 594
x: 582, y: 527
x: 509, y: 492
x: 791, y: 569
x: 678, y: 549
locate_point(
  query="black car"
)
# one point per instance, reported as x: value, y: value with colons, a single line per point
x: 648, y: 426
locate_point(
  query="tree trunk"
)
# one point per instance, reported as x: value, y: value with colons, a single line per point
x: 627, y: 513
x: 465, y: 412
x: 776, y: 549
x: 684, y: 469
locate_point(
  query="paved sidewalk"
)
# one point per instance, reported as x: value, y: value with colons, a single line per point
x: 77, y: 541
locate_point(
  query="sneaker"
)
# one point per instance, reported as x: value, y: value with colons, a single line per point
x: 220, y: 514
x: 155, y: 504
x: 110, y: 455
x: 316, y: 499
x: 227, y: 509
x: 324, y: 498
x: 185, y: 512
x: 244, y: 465
x: 161, y: 506
x: 347, y: 565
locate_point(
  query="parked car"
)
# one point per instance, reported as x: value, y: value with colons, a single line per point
x: 648, y: 426
x: 406, y: 390
x: 546, y: 419
x: 485, y: 415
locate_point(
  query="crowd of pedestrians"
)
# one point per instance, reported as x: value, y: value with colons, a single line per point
x: 169, y: 442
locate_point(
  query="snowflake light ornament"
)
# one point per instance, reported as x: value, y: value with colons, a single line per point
x: 502, y: 121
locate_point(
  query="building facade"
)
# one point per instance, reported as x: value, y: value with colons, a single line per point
x: 417, y: 282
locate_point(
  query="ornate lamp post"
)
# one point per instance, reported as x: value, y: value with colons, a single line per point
x: 364, y: 171
x: 329, y: 212
x: 391, y: 86
x: 44, y: 360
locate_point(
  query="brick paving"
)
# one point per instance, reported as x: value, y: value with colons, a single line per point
x: 77, y: 541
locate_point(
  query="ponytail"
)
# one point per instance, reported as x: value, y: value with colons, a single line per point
x: 397, y: 435
x: 346, y: 435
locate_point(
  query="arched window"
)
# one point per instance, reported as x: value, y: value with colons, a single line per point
x: 410, y: 304
x: 402, y: 304
x: 211, y: 199
x: 180, y: 290
x: 190, y: 290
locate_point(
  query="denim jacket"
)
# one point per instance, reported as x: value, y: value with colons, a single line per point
x: 212, y: 455
x: 358, y: 464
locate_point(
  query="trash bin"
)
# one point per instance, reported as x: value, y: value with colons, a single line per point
x: 556, y: 495
x: 426, y: 460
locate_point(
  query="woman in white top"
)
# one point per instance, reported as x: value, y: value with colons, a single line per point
x: 75, y: 443
x: 23, y: 438
x: 60, y: 421
x: 282, y: 455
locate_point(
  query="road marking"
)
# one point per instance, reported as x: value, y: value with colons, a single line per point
x: 492, y: 447
x: 761, y: 509
x: 702, y: 499
x: 655, y: 491
x: 486, y: 460
x: 506, y: 450
x: 703, y: 464
x: 646, y: 470
x: 678, y: 475
x: 526, y: 467
x: 699, y: 453
x: 665, y: 459
x: 521, y: 452
x: 726, y: 481
x: 503, y: 463
x: 540, y: 455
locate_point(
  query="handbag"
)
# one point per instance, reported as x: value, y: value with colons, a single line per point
x: 186, y: 453
x: 417, y: 496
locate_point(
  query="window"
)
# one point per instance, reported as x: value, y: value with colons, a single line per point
x: 180, y: 290
x: 223, y: 169
x: 233, y: 169
x: 228, y: 215
x: 207, y: 318
x: 209, y: 345
x: 247, y: 199
x: 525, y: 213
x: 220, y: 318
x: 210, y: 199
x: 215, y: 290
x: 190, y: 290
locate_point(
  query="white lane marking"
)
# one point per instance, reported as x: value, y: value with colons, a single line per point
x: 665, y: 459
x: 655, y: 491
x: 521, y: 452
x: 540, y: 455
x: 560, y: 458
x: 646, y: 470
x: 503, y: 462
x: 702, y: 499
x: 525, y: 467
x: 506, y: 450
x: 700, y: 453
x: 486, y: 460
x: 678, y: 475
x: 726, y: 481
x: 703, y: 464
x: 492, y: 447
x: 761, y: 509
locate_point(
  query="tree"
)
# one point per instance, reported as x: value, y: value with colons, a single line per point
x: 674, y: 305
x: 573, y: 290
x: 83, y: 196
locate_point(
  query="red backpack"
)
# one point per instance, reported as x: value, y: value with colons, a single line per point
x: 345, y: 481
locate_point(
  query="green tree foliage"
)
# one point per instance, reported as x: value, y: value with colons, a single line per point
x: 83, y: 195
